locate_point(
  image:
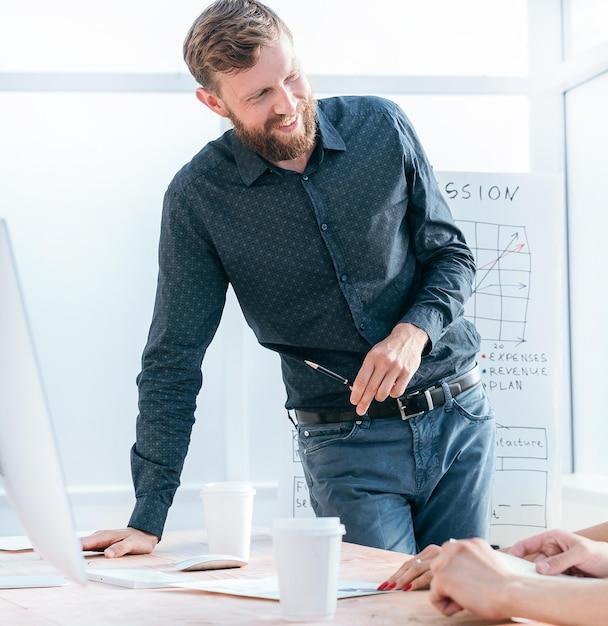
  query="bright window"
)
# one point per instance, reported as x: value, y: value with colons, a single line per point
x: 587, y: 137
x: 77, y: 36
x: 434, y: 37
x: 587, y: 25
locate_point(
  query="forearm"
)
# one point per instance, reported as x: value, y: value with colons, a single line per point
x: 155, y: 487
x: 559, y: 601
x: 599, y: 532
x: 163, y: 432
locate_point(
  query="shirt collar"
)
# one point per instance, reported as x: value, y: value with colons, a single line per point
x: 251, y: 165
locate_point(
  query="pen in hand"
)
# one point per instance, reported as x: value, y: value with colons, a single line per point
x: 327, y: 372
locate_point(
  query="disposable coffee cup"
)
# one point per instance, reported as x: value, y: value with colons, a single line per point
x: 228, y: 508
x: 307, y: 554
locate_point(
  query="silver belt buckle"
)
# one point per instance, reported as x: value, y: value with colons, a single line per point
x: 429, y: 402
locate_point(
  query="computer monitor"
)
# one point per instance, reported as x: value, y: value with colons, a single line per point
x: 29, y: 460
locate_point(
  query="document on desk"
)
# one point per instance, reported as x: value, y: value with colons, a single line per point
x: 268, y: 588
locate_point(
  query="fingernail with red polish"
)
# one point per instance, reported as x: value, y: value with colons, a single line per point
x: 382, y: 587
x: 391, y: 586
x: 407, y: 587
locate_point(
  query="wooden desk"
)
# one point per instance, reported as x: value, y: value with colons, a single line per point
x: 99, y: 603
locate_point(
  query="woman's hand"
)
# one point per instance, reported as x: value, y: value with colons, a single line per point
x: 415, y: 573
x: 558, y: 551
x: 468, y: 574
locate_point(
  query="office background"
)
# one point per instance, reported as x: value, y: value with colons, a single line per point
x: 97, y: 112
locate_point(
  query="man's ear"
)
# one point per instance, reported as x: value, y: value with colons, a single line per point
x: 211, y: 101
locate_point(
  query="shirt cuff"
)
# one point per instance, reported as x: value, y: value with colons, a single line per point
x: 149, y: 515
x: 428, y: 320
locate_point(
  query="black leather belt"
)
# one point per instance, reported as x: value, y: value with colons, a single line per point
x: 407, y: 406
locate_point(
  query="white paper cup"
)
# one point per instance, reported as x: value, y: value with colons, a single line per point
x: 228, y: 508
x: 307, y: 554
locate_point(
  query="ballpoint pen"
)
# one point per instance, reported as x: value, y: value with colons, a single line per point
x: 327, y: 372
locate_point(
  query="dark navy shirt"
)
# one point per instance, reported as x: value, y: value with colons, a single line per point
x: 324, y: 265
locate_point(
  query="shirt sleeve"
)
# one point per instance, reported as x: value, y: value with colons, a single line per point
x: 190, y: 297
x: 446, y: 263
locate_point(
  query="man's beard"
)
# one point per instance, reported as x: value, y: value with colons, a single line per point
x: 275, y: 148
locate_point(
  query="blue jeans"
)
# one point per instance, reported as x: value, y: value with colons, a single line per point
x: 402, y: 485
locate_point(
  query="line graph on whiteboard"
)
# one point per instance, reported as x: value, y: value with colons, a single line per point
x: 501, y: 292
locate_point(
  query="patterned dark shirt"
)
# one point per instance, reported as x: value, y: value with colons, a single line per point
x: 324, y: 264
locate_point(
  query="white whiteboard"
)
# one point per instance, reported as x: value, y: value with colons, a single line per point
x: 514, y: 224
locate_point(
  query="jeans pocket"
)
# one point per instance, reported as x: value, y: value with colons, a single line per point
x: 474, y: 405
x: 315, y: 436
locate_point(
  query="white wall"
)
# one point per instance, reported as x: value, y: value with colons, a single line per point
x: 83, y: 175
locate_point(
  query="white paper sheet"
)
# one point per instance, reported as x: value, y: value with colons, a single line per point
x: 268, y: 588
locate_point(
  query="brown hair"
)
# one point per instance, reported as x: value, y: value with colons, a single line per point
x: 227, y: 38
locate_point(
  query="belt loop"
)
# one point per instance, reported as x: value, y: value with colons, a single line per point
x: 429, y: 399
x: 448, y: 396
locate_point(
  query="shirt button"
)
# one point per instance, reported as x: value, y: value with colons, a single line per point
x: 344, y: 278
x: 361, y: 326
x: 304, y: 177
x: 323, y: 226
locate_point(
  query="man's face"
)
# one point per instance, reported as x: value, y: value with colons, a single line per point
x: 271, y: 142
x: 271, y: 105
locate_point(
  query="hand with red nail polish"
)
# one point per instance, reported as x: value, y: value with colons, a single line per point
x: 382, y: 587
x: 415, y: 573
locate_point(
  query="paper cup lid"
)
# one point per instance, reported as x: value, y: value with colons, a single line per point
x: 228, y: 487
x: 309, y: 526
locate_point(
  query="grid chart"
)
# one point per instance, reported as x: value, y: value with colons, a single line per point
x: 501, y: 292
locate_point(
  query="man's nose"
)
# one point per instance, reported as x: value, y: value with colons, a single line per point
x: 286, y: 102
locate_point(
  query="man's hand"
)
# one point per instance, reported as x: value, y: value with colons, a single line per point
x: 389, y: 367
x: 115, y: 543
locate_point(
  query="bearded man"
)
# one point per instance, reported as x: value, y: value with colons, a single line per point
x: 326, y: 219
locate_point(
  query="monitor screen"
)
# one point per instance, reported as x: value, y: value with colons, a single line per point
x: 29, y: 461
